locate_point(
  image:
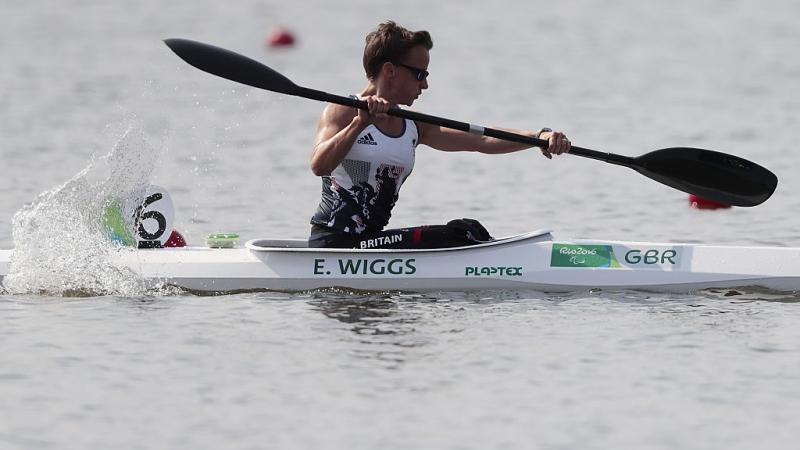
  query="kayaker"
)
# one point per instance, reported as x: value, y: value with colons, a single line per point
x: 364, y: 157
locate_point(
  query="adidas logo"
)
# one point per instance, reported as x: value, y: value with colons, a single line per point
x: 367, y: 140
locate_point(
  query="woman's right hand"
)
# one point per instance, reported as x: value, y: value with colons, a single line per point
x: 378, y: 106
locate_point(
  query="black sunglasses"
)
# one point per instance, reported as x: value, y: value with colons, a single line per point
x: 419, y: 74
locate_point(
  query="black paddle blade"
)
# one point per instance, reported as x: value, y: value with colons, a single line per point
x: 233, y: 66
x: 713, y: 175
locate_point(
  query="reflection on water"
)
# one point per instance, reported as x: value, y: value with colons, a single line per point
x: 389, y: 328
x: 373, y: 314
x: 368, y: 316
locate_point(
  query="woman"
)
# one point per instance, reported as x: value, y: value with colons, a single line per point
x: 364, y: 157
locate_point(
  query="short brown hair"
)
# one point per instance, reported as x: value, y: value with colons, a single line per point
x: 390, y: 42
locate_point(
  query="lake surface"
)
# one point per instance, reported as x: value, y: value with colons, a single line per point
x: 92, y: 103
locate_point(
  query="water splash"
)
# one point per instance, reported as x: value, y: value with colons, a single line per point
x: 60, y: 245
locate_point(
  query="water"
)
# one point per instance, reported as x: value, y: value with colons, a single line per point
x: 496, y: 369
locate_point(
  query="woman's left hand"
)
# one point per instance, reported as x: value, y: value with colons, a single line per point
x: 557, y: 143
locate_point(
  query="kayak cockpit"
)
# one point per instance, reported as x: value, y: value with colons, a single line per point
x: 293, y: 245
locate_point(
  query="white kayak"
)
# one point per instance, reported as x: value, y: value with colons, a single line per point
x: 533, y: 260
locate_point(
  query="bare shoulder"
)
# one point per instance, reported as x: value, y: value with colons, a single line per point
x: 336, y: 116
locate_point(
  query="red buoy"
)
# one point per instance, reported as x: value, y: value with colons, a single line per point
x: 175, y: 240
x: 280, y: 37
x: 704, y: 203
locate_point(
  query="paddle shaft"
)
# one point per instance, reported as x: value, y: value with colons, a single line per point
x: 314, y: 94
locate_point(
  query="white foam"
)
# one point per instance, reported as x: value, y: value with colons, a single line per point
x: 60, y: 247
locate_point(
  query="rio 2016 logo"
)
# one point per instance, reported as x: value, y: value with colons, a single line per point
x: 573, y: 255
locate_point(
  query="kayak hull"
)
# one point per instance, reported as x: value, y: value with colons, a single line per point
x: 534, y: 260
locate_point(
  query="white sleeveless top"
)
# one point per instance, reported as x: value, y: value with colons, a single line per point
x: 358, y: 196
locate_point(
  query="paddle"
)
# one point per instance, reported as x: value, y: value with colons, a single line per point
x: 713, y: 175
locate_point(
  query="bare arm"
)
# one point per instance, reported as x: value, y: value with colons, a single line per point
x: 450, y: 140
